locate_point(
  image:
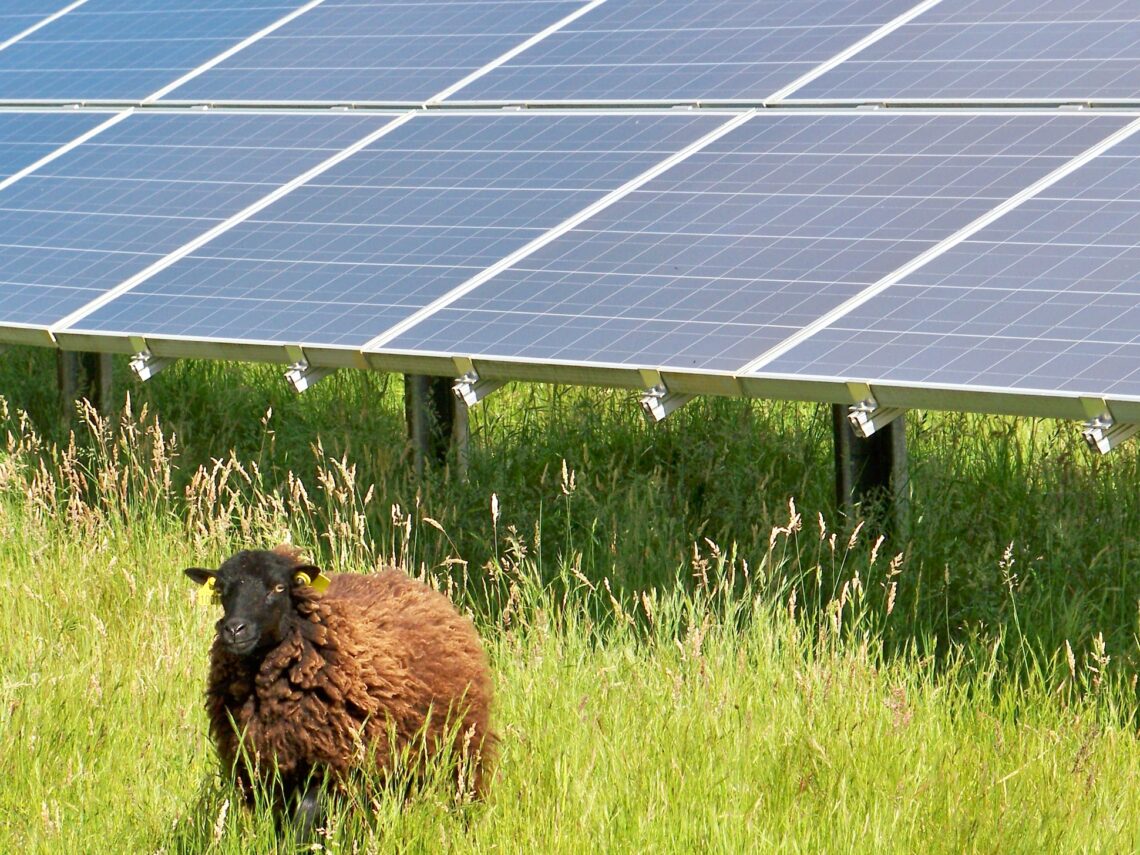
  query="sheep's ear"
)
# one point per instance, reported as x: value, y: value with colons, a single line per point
x: 208, y: 593
x: 200, y: 575
x: 310, y: 575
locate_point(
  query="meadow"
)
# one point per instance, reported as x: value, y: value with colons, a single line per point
x: 694, y: 652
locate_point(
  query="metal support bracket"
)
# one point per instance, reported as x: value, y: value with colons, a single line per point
x: 470, y: 388
x: 301, y: 375
x: 658, y: 402
x: 145, y: 364
x: 867, y: 416
x: 1103, y: 433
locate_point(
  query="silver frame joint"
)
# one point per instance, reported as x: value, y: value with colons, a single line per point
x: 1103, y: 433
x: 868, y: 417
x: 470, y: 388
x: 658, y: 402
x: 145, y: 364
x: 301, y: 375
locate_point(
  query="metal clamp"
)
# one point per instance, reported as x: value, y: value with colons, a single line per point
x: 301, y: 375
x: 145, y: 364
x: 1103, y: 433
x: 470, y: 388
x: 658, y: 402
x: 867, y: 417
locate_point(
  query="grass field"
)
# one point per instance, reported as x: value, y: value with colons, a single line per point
x: 692, y: 651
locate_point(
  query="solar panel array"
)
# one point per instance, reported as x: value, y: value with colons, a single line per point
x: 395, y: 227
x: 122, y: 50
x: 686, y: 50
x: 26, y: 137
x: 16, y: 16
x: 79, y: 226
x: 977, y: 250
x: 977, y: 50
x: 1046, y: 298
x: 753, y: 237
x: 365, y: 52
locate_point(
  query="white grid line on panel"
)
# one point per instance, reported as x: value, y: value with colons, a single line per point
x: 228, y: 224
x: 513, y: 52
x: 653, y: 296
x: 471, y: 241
x: 1073, y: 317
x: 856, y: 48
x: 41, y: 24
x: 1048, y: 58
x: 661, y: 42
x: 559, y: 230
x: 64, y: 149
x: 226, y: 54
x: 958, y: 237
x: 424, y: 60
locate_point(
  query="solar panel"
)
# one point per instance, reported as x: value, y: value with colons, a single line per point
x: 122, y: 50
x: 1047, y: 298
x: 16, y: 16
x: 684, y: 50
x: 702, y: 242
x: 396, y: 226
x: 997, y: 49
x: 93, y: 217
x: 753, y: 237
x: 27, y: 136
x: 343, y: 51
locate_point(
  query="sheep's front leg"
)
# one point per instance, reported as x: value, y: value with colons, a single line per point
x: 309, y: 814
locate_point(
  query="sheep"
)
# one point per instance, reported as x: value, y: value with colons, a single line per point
x: 301, y: 681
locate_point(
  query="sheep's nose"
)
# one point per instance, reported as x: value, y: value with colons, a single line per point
x: 234, y: 631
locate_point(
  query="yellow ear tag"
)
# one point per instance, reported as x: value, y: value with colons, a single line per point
x: 318, y: 584
x: 208, y: 594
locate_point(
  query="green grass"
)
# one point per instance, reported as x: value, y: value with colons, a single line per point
x: 685, y: 660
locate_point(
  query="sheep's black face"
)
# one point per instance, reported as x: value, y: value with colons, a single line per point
x: 255, y: 591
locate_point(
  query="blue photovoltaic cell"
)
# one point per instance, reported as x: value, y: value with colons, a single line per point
x: 86, y: 221
x: 27, y: 136
x: 684, y: 50
x: 17, y: 15
x: 993, y: 49
x: 1045, y: 298
x: 396, y: 226
x: 366, y: 51
x: 120, y: 50
x: 755, y: 236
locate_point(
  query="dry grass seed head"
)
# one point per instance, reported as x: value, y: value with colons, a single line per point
x: 568, y: 482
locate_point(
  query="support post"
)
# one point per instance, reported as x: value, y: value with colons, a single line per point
x: 460, y: 434
x: 83, y: 375
x: 871, y: 470
x: 435, y: 424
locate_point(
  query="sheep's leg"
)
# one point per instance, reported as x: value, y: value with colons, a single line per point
x: 309, y: 814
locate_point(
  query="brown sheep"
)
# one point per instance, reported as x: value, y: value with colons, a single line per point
x: 300, y: 681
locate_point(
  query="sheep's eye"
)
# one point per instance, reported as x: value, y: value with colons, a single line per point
x: 278, y: 589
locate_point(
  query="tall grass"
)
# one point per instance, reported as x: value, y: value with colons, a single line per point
x: 692, y: 651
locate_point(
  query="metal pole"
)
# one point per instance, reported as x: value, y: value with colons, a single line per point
x: 83, y: 375
x: 872, y: 471
x: 435, y: 424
